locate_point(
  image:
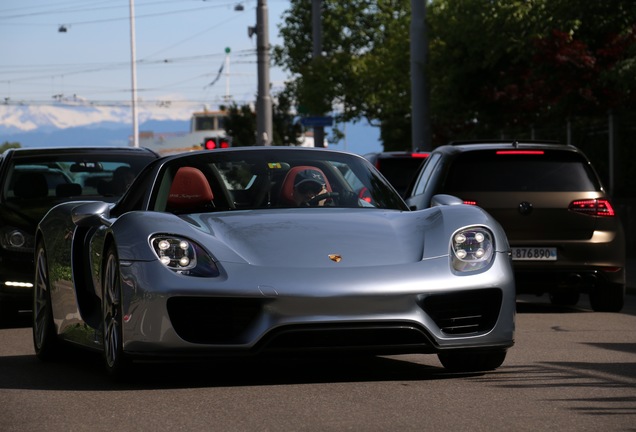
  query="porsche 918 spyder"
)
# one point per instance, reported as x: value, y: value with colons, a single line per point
x: 270, y: 250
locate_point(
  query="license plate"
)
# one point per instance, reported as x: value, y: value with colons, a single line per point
x: 534, y: 254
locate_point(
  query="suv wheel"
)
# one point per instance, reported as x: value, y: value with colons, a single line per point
x: 608, y: 298
x: 564, y: 298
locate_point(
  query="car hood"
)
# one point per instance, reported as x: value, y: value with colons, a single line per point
x: 308, y: 237
x: 316, y: 238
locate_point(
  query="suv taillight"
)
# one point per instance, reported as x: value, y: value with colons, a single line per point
x: 592, y: 207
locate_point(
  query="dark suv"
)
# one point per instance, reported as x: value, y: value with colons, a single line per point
x: 565, y: 236
x: 398, y: 167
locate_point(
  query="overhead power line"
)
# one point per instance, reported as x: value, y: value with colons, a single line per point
x: 120, y: 7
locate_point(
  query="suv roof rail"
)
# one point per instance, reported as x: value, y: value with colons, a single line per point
x: 512, y: 142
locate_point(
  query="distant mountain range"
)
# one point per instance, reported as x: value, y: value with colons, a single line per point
x: 77, y: 123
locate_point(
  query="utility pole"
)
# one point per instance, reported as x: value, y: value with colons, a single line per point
x: 420, y: 121
x: 264, y: 120
x: 316, y: 32
x: 133, y: 68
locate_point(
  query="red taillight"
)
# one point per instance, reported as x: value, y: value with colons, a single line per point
x: 467, y: 202
x: 592, y: 207
x: 419, y: 155
x: 224, y: 144
x: 611, y: 269
x: 519, y: 152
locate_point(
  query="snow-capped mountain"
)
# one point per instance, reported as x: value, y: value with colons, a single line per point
x: 77, y: 122
x: 15, y: 118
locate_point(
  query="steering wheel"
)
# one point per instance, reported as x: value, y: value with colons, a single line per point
x: 315, y: 200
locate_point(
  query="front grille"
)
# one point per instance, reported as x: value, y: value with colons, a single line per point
x: 209, y: 320
x: 465, y: 312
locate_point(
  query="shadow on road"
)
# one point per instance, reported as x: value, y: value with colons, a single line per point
x: 83, y: 370
x: 528, y: 303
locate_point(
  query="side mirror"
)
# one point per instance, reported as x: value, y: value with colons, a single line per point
x: 443, y: 199
x: 91, y: 214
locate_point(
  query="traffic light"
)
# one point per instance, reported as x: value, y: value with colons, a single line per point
x: 212, y: 143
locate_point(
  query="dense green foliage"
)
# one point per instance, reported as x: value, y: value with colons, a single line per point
x: 364, y: 70
x: 505, y: 63
x: 7, y: 145
x: 240, y: 124
x: 492, y: 65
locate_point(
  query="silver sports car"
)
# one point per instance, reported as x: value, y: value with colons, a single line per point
x: 270, y: 250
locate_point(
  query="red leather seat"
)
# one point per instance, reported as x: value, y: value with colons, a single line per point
x: 190, y: 192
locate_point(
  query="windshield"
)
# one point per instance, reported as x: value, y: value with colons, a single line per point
x: 242, y: 179
x: 36, y: 178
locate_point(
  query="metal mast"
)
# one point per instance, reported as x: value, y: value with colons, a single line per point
x: 264, y: 120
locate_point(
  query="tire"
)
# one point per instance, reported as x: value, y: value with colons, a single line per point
x: 47, y: 344
x: 117, y: 363
x: 564, y: 298
x: 472, y: 361
x: 608, y: 298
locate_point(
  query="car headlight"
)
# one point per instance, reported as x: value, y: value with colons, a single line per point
x: 183, y: 256
x: 471, y: 249
x: 15, y: 239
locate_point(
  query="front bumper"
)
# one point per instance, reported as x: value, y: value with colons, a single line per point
x: 420, y: 307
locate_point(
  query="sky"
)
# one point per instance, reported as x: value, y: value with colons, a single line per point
x: 180, y: 47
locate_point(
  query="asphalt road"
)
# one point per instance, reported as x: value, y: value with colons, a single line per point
x: 571, y: 369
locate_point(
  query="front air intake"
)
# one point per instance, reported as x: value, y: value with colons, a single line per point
x: 465, y: 312
x: 211, y: 320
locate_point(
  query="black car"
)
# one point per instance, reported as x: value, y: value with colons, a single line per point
x: 36, y: 179
x: 398, y: 167
x: 565, y: 236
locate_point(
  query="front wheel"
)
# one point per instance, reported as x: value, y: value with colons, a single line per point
x: 469, y: 361
x: 46, y: 343
x: 116, y: 361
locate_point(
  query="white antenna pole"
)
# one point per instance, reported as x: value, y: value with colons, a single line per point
x: 133, y: 67
x: 227, y: 74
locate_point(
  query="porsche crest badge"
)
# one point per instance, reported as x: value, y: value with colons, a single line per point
x: 335, y: 257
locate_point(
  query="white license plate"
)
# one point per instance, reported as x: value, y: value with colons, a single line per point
x: 534, y: 254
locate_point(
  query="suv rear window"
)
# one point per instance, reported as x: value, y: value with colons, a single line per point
x: 504, y: 171
x: 399, y: 170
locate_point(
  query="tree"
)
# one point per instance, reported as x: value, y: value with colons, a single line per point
x: 492, y: 65
x: 240, y: 124
x: 287, y: 130
x: 8, y: 145
x: 505, y: 63
x: 364, y: 71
